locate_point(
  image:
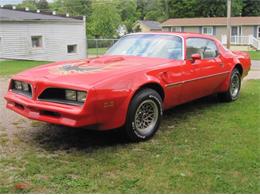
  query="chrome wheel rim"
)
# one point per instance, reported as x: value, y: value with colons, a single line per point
x: 146, y: 117
x: 235, y: 85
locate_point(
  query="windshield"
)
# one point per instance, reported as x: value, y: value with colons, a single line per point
x: 149, y: 45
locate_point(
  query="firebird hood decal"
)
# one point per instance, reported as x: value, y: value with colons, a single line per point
x: 77, y: 68
x: 69, y: 69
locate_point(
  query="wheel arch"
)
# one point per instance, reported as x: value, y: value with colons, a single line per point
x: 239, y: 67
x: 225, y: 85
x: 151, y: 85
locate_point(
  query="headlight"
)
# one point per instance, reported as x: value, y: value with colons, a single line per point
x: 71, y: 95
x: 25, y: 86
x: 18, y: 85
x: 78, y: 96
x: 21, y: 86
x: 81, y: 96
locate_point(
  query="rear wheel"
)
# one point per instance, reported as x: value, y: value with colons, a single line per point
x: 144, y: 115
x: 234, y: 88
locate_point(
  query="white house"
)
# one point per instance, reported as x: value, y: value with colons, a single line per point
x: 41, y: 36
x: 245, y: 31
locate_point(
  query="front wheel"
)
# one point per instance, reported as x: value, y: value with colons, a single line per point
x: 234, y: 88
x: 144, y: 115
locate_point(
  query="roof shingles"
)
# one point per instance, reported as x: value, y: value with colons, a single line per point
x: 19, y: 15
x: 151, y: 24
x: 216, y: 21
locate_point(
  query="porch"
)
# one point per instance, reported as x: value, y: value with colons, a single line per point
x: 245, y: 42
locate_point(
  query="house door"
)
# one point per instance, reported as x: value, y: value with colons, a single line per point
x: 236, y: 31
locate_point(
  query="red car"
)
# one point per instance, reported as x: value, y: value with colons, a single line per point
x: 131, y: 85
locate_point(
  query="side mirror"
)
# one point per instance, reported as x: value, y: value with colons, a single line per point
x: 195, y: 57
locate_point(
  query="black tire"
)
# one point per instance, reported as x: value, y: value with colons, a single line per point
x: 233, y: 91
x: 140, y: 110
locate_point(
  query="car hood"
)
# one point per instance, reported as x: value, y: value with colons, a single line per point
x: 90, y: 71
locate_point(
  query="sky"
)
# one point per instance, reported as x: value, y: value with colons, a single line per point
x: 3, y: 2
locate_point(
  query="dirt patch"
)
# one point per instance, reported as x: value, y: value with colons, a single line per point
x: 9, y: 120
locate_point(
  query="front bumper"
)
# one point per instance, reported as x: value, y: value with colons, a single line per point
x: 62, y: 114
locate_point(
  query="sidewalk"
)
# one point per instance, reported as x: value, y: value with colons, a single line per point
x: 254, y: 73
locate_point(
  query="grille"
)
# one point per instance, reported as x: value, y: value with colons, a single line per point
x: 57, y: 95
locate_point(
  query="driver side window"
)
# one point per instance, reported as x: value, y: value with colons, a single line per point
x: 205, y: 47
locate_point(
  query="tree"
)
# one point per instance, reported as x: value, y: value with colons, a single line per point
x: 34, y: 4
x: 141, y: 7
x: 31, y: 4
x: 251, y: 8
x: 73, y: 7
x: 218, y: 8
x: 203, y: 8
x: 129, y: 13
x: 153, y: 9
x: 104, y: 20
x: 237, y: 7
x: 182, y: 8
x: 157, y: 10
x: 42, y: 4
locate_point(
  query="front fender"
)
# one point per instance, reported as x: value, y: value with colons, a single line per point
x: 113, y: 98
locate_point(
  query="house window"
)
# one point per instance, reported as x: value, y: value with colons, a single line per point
x: 208, y: 30
x: 236, y: 31
x: 258, y: 32
x: 72, y: 48
x: 176, y: 29
x: 166, y: 29
x: 36, y: 41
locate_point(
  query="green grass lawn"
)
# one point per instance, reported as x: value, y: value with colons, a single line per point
x: 10, y: 67
x: 202, y: 147
x: 94, y: 51
x: 255, y: 55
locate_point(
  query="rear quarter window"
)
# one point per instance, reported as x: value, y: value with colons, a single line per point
x: 205, y: 47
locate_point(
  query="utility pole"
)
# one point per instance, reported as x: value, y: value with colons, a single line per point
x: 228, y: 23
x: 166, y: 8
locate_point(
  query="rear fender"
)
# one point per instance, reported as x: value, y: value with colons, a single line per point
x: 243, y: 58
x: 236, y: 62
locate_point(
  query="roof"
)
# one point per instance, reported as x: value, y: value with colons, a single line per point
x: 22, y: 15
x: 151, y: 24
x: 212, y: 21
x: 180, y: 34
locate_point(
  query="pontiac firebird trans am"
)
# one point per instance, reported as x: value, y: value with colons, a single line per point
x: 131, y: 85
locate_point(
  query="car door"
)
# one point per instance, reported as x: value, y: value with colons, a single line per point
x: 203, y: 76
x: 171, y: 72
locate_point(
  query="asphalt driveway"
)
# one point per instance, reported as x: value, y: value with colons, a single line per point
x: 255, y: 71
